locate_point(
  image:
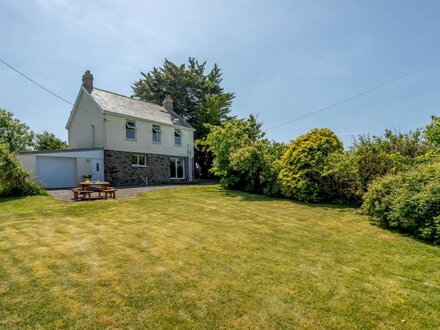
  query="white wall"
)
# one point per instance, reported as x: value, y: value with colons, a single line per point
x: 29, y: 162
x: 80, y: 131
x: 83, y: 163
x: 115, y: 131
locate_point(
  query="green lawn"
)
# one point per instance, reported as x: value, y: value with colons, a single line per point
x: 205, y: 257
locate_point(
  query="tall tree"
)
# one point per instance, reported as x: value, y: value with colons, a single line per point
x: 198, y: 97
x: 48, y: 141
x: 15, y: 135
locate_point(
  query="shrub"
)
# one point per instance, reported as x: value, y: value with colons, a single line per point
x: 14, y: 179
x: 303, y: 164
x: 408, y: 201
x: 223, y: 141
x: 343, y: 180
x: 377, y: 156
x: 257, y: 167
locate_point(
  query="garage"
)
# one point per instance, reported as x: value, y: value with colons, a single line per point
x: 56, y: 172
x: 63, y: 168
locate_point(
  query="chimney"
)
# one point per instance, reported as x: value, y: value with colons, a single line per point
x: 88, y: 81
x: 168, y: 103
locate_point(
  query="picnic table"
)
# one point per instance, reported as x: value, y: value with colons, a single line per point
x: 89, y: 187
x: 86, y: 184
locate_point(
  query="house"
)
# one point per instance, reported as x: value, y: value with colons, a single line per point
x: 118, y: 139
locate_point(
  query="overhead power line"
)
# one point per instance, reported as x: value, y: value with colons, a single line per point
x: 271, y: 128
x: 356, y: 95
x: 44, y: 88
x: 33, y: 81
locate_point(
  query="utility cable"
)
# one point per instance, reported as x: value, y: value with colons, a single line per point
x: 356, y: 95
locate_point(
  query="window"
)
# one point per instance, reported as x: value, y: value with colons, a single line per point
x: 130, y: 130
x: 176, y: 168
x: 177, y: 137
x: 156, y: 133
x: 139, y: 160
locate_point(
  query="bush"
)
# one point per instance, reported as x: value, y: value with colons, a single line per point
x: 257, y: 166
x: 303, y: 164
x: 224, y: 140
x: 408, y: 201
x: 343, y: 180
x: 377, y: 156
x: 14, y: 179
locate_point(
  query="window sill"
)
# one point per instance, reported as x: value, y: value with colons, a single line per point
x: 127, y: 139
x: 177, y: 178
x: 157, y: 142
x: 178, y: 145
x: 132, y: 165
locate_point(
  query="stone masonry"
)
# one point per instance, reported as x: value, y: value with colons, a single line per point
x: 119, y: 171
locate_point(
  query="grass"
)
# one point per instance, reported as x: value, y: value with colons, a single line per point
x: 206, y: 258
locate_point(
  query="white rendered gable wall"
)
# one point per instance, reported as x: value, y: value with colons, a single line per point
x: 86, y: 114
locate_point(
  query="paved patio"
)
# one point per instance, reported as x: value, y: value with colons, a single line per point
x: 67, y: 195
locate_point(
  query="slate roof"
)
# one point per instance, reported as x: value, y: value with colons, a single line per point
x: 127, y: 106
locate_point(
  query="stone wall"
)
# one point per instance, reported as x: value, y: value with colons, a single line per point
x: 119, y: 171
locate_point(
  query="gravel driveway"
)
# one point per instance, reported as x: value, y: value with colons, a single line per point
x: 67, y: 195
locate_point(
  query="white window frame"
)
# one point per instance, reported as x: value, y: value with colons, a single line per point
x: 178, y: 134
x: 130, y: 125
x: 175, y: 159
x: 138, y: 163
x: 157, y: 132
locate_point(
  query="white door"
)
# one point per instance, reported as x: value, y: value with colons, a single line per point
x: 97, y: 169
x: 56, y: 172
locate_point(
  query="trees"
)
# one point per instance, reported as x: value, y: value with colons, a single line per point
x: 15, y: 135
x: 303, y: 164
x: 48, y: 141
x: 432, y: 133
x: 14, y: 179
x: 222, y: 141
x: 198, y: 97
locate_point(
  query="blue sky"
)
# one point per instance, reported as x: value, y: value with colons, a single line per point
x: 283, y: 59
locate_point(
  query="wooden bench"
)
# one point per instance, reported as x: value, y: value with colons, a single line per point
x: 78, y: 191
x: 109, y: 192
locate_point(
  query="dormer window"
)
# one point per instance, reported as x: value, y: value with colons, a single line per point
x: 177, y: 137
x: 130, y: 130
x: 156, y: 133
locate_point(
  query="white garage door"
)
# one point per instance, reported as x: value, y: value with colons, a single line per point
x: 56, y: 172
